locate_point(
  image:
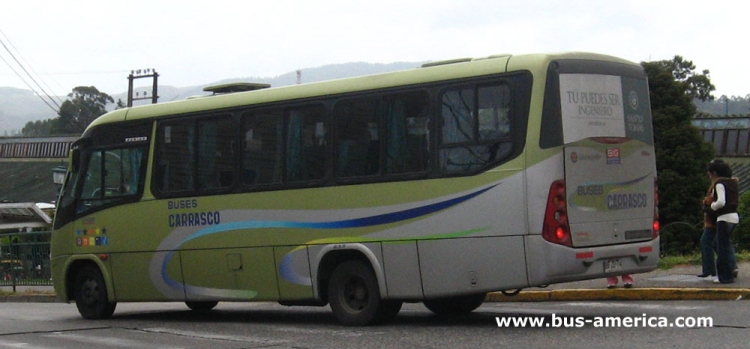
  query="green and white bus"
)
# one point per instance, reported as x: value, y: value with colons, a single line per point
x: 437, y: 185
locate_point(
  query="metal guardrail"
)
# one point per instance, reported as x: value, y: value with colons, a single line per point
x: 25, y: 259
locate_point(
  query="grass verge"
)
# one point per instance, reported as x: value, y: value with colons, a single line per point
x: 667, y: 262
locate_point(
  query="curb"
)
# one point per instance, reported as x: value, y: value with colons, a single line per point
x: 624, y: 294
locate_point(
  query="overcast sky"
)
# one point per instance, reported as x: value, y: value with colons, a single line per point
x: 65, y: 44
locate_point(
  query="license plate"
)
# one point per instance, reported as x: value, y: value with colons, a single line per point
x: 612, y: 265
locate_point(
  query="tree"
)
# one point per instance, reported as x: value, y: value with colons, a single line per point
x: 85, y: 105
x: 681, y: 153
x: 39, y: 128
x: 120, y: 104
x: 741, y: 235
x: 697, y: 86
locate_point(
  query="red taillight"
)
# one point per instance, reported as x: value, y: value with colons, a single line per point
x: 556, y: 228
x: 560, y: 233
x: 656, y: 225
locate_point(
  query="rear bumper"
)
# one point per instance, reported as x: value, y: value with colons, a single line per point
x: 551, y: 263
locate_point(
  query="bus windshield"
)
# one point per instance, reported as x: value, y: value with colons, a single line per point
x: 106, y: 174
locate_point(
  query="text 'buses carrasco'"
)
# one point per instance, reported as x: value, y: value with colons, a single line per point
x: 437, y: 184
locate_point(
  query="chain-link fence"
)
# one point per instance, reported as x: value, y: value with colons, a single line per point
x: 25, y: 259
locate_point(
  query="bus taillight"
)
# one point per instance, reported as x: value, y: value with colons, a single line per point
x: 556, y: 228
x: 656, y: 225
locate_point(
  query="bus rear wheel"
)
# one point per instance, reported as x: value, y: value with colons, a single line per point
x: 201, y: 306
x: 91, y: 294
x: 455, y: 305
x: 354, y: 296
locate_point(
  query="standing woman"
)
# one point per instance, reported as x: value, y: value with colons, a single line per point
x: 724, y: 205
x: 708, y: 239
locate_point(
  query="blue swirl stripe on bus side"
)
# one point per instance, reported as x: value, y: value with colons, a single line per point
x: 386, y: 218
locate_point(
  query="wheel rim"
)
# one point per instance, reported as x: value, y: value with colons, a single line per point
x: 355, y: 294
x: 90, y: 293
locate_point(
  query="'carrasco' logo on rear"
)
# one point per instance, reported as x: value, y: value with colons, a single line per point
x: 626, y: 201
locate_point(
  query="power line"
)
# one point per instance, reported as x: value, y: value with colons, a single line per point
x: 29, y: 75
x: 30, y: 87
x: 10, y: 42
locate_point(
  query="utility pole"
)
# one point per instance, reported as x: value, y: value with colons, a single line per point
x: 139, y: 74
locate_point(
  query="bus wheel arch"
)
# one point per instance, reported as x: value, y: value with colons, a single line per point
x: 72, y: 270
x: 91, y: 292
x: 355, y: 297
x: 332, y: 256
x: 349, y: 280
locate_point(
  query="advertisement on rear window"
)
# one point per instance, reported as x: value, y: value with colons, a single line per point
x: 604, y: 106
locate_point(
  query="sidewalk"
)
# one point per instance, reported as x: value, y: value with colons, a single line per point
x: 678, y: 283
x: 26, y: 294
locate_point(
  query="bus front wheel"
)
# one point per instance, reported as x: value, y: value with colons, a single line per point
x: 355, y: 298
x: 91, y: 294
x: 455, y: 305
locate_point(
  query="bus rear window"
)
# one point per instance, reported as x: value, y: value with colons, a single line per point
x: 586, y: 100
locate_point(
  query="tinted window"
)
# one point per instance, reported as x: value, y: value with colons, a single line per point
x: 195, y: 154
x: 382, y: 135
x: 262, y: 147
x: 284, y: 146
x: 406, y: 119
x: 306, y: 158
x: 476, y: 128
x: 357, y: 138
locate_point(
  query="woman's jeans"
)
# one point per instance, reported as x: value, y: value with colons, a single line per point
x: 724, y: 252
x: 709, y: 246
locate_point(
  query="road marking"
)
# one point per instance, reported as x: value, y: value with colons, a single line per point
x: 632, y: 305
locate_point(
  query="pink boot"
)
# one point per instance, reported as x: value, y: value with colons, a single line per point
x: 612, y: 282
x: 627, y: 280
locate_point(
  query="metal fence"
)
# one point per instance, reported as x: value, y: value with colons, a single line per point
x: 25, y: 259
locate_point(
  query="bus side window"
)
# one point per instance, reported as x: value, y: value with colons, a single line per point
x: 215, y: 153
x: 357, y: 138
x: 262, y: 147
x: 407, y: 133
x: 306, y: 144
x: 476, y: 129
x: 493, y: 103
x: 175, y: 147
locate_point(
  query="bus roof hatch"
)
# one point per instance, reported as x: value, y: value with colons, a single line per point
x: 235, y: 87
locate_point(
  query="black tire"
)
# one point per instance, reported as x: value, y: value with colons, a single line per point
x: 389, y: 310
x: 201, y: 306
x: 355, y: 298
x: 452, y: 306
x: 91, y: 294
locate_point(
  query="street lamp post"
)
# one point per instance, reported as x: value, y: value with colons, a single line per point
x: 58, y: 177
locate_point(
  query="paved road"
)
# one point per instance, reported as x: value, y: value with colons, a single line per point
x: 268, y: 325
